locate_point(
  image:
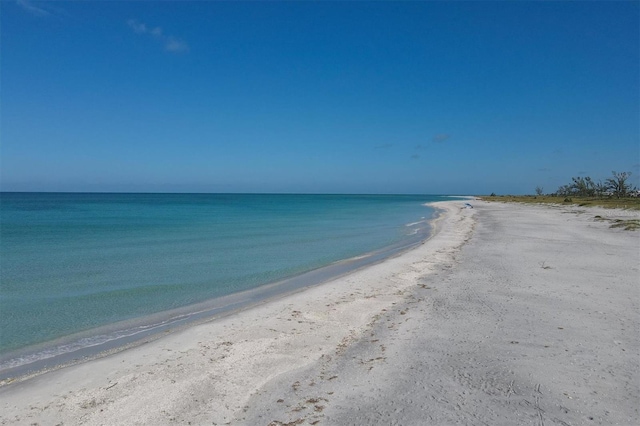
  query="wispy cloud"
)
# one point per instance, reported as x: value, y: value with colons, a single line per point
x: 441, y: 137
x: 136, y: 26
x: 171, y: 43
x: 175, y: 45
x: 32, y: 8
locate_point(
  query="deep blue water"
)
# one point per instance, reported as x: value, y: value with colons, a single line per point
x: 71, y: 262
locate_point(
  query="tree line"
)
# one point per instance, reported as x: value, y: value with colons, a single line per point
x: 617, y: 186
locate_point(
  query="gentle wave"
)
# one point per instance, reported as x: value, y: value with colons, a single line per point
x: 83, y: 343
x: 420, y: 222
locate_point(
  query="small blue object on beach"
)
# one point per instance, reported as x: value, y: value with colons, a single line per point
x: 468, y: 206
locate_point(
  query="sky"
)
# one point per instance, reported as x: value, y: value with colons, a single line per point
x: 317, y: 97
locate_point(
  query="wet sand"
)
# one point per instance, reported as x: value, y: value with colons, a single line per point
x: 510, y: 314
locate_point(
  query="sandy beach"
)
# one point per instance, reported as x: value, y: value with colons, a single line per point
x: 508, y: 315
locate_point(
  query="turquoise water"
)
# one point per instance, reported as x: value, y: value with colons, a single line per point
x: 72, y: 262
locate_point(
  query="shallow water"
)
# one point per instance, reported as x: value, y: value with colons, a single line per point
x: 71, y: 263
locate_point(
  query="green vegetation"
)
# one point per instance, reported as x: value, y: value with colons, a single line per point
x: 616, y: 193
x: 626, y: 224
x: 632, y: 203
x: 617, y: 186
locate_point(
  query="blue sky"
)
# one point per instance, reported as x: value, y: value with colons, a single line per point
x: 329, y: 97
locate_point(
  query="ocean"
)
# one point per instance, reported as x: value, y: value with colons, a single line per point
x: 81, y: 270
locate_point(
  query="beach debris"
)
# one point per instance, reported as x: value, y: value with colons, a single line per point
x: 292, y: 423
x: 372, y: 360
x: 543, y: 265
x: 7, y: 381
x: 316, y: 400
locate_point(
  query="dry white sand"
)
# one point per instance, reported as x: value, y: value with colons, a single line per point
x: 510, y: 315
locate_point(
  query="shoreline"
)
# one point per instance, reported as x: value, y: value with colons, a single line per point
x: 105, y: 267
x: 242, y: 350
x: 507, y: 315
x: 68, y: 351
x: 535, y: 321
